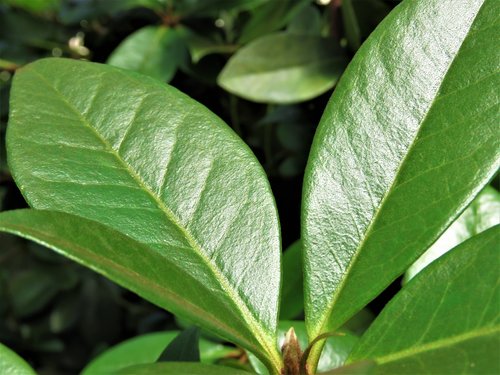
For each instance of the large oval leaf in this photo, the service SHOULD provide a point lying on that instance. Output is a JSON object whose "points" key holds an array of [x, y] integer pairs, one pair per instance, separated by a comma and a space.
{"points": [[137, 155], [445, 321], [284, 68], [408, 139], [153, 50], [12, 364]]}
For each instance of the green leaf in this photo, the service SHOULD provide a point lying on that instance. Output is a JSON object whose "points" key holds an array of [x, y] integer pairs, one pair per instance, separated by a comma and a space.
{"points": [[445, 321], [146, 349], [292, 295], [284, 68], [204, 8], [335, 353], [360, 17], [138, 156], [12, 364], [200, 46], [269, 17], [180, 368], [36, 6], [183, 348], [32, 290], [306, 22], [74, 11], [155, 51], [483, 213], [398, 155], [360, 322]]}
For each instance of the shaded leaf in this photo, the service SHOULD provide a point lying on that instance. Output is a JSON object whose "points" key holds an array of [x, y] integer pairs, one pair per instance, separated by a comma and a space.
{"points": [[360, 17], [269, 17], [397, 155], [146, 349], [203, 8], [445, 321], [284, 68], [32, 290], [306, 22], [34, 5], [183, 348], [179, 368], [358, 368], [483, 213], [155, 51], [292, 296], [74, 11], [138, 156]]}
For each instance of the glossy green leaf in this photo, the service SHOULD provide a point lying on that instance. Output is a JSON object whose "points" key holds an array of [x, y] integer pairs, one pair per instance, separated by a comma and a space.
{"points": [[483, 213], [292, 295], [445, 321], [12, 364], [335, 353], [153, 50], [181, 368], [183, 348], [138, 156], [146, 349], [398, 155], [269, 17], [284, 68]]}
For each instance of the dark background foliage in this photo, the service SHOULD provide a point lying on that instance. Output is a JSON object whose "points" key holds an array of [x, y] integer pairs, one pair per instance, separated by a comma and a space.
{"points": [[59, 315]]}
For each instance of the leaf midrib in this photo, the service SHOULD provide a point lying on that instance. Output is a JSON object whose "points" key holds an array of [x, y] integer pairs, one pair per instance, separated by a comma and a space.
{"points": [[261, 336], [323, 321], [438, 344]]}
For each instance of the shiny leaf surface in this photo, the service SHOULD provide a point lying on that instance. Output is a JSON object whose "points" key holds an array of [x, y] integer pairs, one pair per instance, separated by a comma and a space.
{"points": [[153, 50], [398, 154], [146, 349], [483, 213], [445, 321], [284, 68], [12, 364], [142, 158]]}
